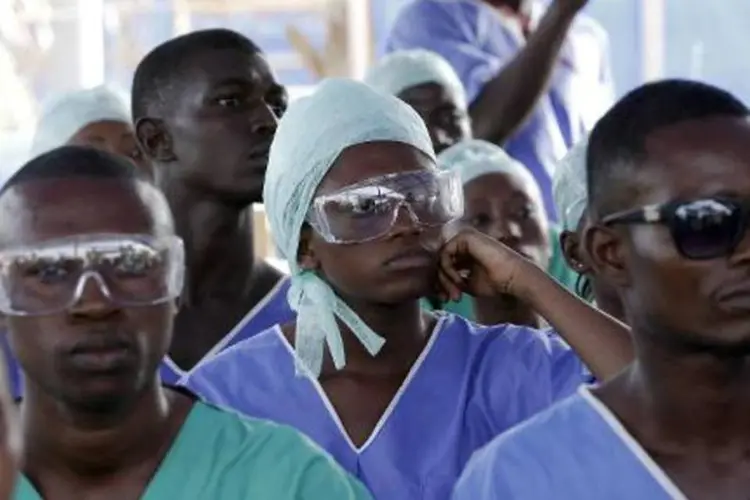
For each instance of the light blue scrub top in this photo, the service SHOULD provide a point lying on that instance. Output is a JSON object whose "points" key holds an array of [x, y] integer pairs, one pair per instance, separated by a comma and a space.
{"points": [[478, 41], [577, 450], [469, 384]]}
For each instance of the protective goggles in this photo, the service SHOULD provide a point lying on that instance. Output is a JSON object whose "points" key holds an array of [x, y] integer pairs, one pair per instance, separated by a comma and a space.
{"points": [[701, 229], [368, 210], [130, 270]]}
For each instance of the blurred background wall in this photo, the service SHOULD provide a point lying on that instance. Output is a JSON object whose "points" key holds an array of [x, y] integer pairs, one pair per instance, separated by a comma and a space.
{"points": [[51, 46]]}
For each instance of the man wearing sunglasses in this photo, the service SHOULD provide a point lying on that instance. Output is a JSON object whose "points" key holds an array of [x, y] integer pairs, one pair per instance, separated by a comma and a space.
{"points": [[90, 273], [669, 184]]}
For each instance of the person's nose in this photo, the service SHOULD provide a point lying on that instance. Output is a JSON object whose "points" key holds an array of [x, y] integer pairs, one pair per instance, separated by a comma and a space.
{"points": [[263, 122], [441, 139], [92, 298], [506, 231], [406, 221]]}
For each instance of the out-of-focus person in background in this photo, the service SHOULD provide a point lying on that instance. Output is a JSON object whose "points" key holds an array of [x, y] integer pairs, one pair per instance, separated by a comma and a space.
{"points": [[97, 117], [205, 107], [503, 201], [549, 71], [571, 196], [428, 83], [10, 437]]}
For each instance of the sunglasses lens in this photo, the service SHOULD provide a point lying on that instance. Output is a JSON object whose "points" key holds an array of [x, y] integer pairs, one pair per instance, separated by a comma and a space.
{"points": [[707, 229]]}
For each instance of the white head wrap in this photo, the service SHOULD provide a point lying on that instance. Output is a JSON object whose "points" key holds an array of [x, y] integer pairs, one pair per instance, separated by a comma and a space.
{"points": [[474, 158], [65, 116], [310, 137], [399, 71], [569, 185]]}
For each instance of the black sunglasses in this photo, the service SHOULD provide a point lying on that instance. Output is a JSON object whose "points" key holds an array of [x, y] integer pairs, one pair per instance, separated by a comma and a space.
{"points": [[701, 229]]}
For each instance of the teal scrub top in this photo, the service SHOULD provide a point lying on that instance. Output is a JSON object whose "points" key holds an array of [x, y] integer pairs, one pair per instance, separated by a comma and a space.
{"points": [[221, 455]]}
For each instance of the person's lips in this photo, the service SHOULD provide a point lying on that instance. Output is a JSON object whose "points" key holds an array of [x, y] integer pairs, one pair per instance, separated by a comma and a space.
{"points": [[412, 259], [260, 152], [99, 356], [735, 297]]}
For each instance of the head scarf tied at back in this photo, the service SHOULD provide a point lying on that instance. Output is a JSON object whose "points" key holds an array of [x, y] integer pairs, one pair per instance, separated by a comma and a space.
{"points": [[569, 185], [62, 118], [310, 137], [474, 158], [399, 71]]}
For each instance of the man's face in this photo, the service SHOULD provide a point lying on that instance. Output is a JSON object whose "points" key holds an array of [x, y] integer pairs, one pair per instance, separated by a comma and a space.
{"points": [[95, 353], [666, 294], [222, 122], [446, 119]]}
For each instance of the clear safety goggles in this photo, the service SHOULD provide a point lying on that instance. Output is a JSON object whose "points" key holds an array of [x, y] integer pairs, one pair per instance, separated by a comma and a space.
{"points": [[130, 270], [368, 210]]}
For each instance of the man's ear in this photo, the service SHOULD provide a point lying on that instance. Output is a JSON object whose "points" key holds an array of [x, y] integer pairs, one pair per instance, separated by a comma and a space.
{"points": [[154, 140], [606, 248], [306, 255], [573, 252]]}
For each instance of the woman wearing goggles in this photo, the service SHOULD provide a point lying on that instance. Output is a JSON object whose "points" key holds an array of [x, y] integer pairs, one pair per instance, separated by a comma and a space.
{"points": [[399, 396]]}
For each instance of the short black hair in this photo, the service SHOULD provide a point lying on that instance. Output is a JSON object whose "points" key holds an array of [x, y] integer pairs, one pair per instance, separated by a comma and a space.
{"points": [[166, 64], [618, 142], [73, 162]]}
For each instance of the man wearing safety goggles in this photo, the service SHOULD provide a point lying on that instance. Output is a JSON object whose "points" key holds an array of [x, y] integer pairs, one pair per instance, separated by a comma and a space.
{"points": [[90, 273], [669, 184]]}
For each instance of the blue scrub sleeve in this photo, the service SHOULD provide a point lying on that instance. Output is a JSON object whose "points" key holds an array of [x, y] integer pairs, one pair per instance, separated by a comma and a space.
{"points": [[524, 372], [455, 31]]}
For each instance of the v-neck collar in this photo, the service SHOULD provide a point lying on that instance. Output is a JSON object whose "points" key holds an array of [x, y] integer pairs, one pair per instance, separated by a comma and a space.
{"points": [[334, 416], [648, 463], [227, 339]]}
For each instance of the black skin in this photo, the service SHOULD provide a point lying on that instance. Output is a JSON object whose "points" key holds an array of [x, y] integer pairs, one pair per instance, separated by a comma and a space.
{"points": [[114, 137], [505, 208], [382, 292], [604, 294], [686, 399], [447, 119], [514, 6], [448, 124], [91, 425], [210, 148], [506, 101], [383, 288]]}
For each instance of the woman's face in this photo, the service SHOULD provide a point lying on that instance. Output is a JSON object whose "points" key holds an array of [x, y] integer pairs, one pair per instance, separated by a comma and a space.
{"points": [[505, 208], [399, 265], [114, 137]]}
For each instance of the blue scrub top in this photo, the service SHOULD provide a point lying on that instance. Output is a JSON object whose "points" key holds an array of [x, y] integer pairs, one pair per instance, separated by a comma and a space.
{"points": [[478, 41]]}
